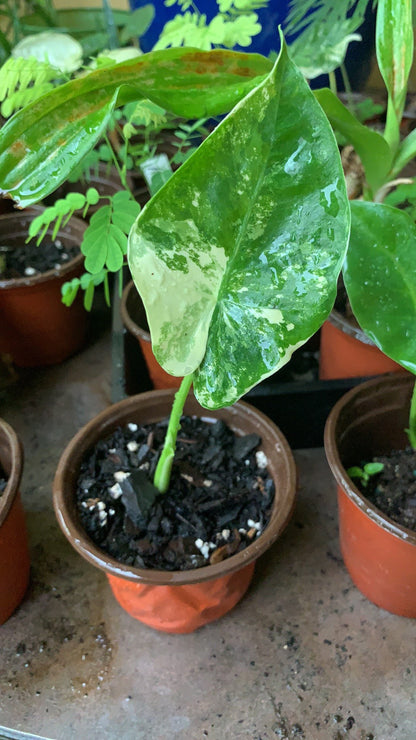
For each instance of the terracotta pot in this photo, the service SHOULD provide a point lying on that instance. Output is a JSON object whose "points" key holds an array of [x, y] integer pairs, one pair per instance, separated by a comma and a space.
{"points": [[347, 352], [36, 328], [178, 601], [14, 553], [379, 554], [134, 319]]}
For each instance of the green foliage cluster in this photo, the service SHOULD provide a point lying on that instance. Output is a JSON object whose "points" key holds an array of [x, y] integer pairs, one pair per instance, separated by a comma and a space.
{"points": [[324, 30], [235, 23], [206, 249], [94, 29], [379, 272], [22, 81]]}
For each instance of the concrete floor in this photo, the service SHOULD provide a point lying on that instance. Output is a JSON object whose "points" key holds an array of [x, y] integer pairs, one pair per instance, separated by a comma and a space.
{"points": [[304, 655]]}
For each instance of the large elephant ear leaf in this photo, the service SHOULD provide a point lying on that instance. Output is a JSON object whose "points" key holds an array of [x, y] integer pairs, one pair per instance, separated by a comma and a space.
{"points": [[237, 256], [380, 278]]}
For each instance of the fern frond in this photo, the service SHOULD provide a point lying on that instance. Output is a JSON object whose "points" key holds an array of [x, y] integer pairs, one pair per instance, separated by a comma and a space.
{"points": [[24, 80], [303, 13]]}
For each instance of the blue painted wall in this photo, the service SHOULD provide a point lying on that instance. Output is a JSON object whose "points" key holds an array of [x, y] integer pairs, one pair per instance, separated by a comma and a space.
{"points": [[359, 53]]}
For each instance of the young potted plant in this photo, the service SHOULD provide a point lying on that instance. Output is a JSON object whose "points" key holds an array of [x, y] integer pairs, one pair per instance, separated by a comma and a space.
{"points": [[370, 436], [248, 240], [14, 551], [236, 259], [345, 349]]}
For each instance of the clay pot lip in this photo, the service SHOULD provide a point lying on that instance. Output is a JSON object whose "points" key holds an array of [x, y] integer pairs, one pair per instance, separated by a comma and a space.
{"points": [[337, 468], [15, 453], [74, 228], [102, 424], [134, 329], [341, 322]]}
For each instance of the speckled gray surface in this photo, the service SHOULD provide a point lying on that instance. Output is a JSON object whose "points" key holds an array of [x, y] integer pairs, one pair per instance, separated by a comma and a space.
{"points": [[304, 655]]}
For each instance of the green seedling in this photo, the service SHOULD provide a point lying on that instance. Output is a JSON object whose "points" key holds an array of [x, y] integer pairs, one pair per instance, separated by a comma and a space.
{"points": [[366, 472]]}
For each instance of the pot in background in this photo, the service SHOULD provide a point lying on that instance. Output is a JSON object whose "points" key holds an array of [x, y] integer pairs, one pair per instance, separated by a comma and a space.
{"points": [[176, 601], [347, 352], [134, 319], [36, 328], [14, 552], [379, 554]]}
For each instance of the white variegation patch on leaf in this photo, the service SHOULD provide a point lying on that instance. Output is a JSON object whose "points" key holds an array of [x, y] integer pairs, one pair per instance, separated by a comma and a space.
{"points": [[236, 258]]}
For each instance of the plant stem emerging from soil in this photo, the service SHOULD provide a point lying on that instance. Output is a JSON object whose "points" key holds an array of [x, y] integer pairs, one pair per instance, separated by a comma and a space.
{"points": [[164, 466], [411, 432]]}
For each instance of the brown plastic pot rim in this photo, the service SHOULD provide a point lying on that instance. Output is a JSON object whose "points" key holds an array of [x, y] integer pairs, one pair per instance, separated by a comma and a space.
{"points": [[78, 227], [11, 439], [340, 474], [97, 557], [128, 322], [348, 327]]}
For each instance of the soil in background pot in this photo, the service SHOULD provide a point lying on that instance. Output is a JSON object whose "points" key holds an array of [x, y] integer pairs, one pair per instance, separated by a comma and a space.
{"points": [[29, 259], [393, 490], [219, 499], [3, 480]]}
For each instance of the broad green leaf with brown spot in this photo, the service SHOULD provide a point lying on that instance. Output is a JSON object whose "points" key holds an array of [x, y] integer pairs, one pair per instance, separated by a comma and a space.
{"points": [[43, 142]]}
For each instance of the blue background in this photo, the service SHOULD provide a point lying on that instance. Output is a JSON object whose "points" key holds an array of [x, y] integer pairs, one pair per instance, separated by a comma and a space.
{"points": [[358, 61]]}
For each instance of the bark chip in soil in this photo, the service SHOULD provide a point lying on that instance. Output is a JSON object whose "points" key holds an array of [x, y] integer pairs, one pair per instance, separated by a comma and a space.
{"points": [[219, 500]]}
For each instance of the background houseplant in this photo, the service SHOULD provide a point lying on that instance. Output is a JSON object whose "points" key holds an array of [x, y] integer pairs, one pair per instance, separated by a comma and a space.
{"points": [[373, 419], [383, 156]]}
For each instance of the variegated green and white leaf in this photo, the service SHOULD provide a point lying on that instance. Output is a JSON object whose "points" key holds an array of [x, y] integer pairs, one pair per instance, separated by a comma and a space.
{"points": [[237, 256]]}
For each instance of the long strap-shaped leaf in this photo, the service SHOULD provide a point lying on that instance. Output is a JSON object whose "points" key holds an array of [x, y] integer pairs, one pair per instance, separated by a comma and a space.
{"points": [[42, 143], [372, 148], [237, 256], [380, 278], [394, 47]]}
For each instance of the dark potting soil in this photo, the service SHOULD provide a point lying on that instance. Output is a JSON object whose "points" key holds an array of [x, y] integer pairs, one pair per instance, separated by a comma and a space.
{"points": [[393, 490], [3, 480], [27, 259], [219, 499]]}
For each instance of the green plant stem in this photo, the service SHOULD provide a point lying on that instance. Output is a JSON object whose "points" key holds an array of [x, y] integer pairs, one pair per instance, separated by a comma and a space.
{"points": [[411, 432], [164, 466], [122, 172], [348, 90], [333, 82]]}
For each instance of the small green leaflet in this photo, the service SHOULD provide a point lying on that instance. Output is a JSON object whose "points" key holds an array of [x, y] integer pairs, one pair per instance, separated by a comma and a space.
{"points": [[236, 258], [105, 240]]}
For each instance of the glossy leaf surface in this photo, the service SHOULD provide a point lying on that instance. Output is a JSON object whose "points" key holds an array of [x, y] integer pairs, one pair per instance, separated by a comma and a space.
{"points": [[237, 256], [380, 278], [42, 143], [371, 147]]}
